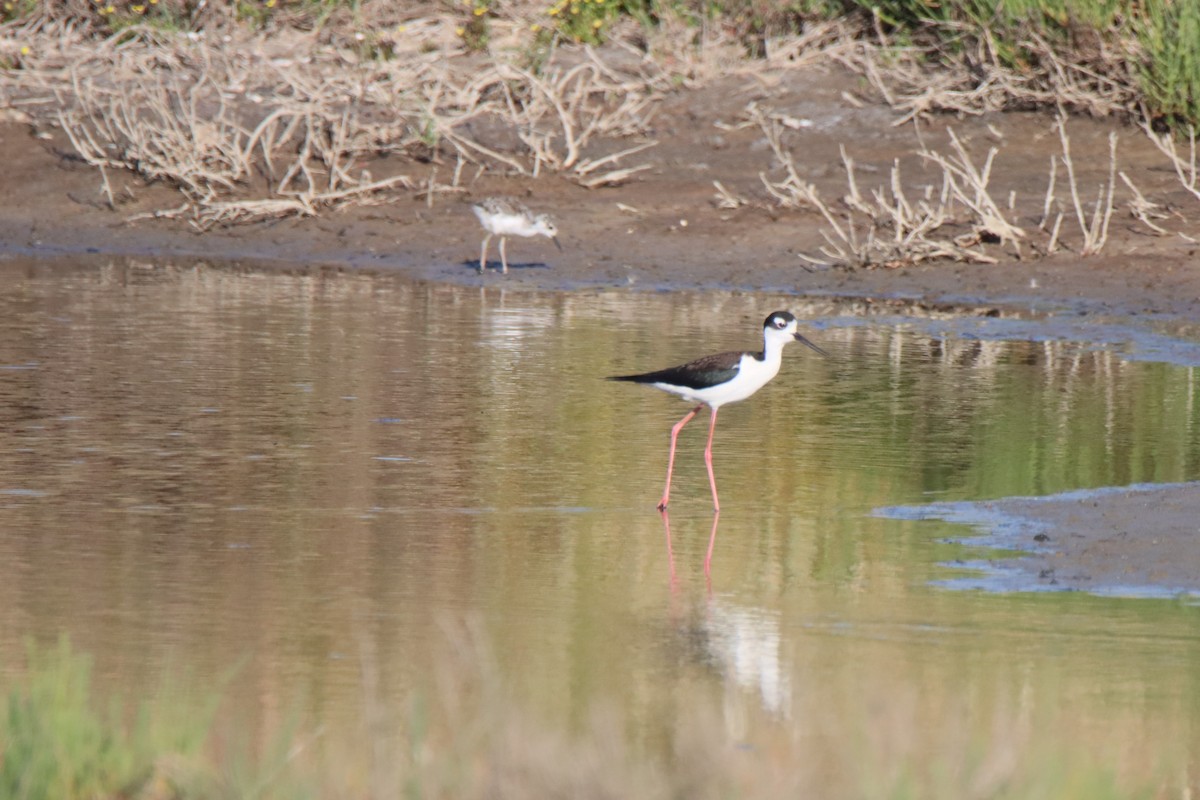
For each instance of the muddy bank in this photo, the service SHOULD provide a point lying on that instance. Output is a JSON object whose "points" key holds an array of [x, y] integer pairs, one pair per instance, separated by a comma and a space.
{"points": [[665, 227], [1138, 540]]}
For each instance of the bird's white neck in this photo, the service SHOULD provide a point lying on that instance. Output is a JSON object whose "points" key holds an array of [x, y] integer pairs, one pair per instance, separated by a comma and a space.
{"points": [[773, 342]]}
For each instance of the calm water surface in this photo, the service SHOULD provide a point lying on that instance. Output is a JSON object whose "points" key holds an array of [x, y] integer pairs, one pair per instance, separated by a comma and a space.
{"points": [[332, 480]]}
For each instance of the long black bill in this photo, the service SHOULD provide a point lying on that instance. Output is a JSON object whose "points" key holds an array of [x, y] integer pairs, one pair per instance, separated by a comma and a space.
{"points": [[557, 243], [801, 339]]}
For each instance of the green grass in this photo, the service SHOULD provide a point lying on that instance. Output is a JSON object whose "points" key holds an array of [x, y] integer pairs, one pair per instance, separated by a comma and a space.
{"points": [[57, 743], [61, 738], [1170, 72], [1166, 34]]}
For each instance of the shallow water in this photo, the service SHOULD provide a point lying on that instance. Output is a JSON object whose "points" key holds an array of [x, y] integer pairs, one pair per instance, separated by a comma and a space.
{"points": [[327, 478]]}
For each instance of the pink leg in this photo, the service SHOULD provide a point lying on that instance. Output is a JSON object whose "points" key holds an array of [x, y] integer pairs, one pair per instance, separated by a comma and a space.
{"points": [[662, 504], [483, 253], [712, 481], [712, 540]]}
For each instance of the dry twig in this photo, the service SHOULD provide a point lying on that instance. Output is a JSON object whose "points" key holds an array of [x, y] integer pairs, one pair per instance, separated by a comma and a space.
{"points": [[898, 229], [1095, 230], [1185, 167], [1144, 210]]}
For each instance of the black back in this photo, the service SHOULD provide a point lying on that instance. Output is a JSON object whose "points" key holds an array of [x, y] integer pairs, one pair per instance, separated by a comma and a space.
{"points": [[699, 374]]}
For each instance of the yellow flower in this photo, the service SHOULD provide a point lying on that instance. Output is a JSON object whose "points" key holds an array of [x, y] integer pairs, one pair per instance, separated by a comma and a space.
{"points": [[25, 50], [597, 23], [270, 3], [535, 27], [480, 11], [139, 9], [110, 10], [460, 30], [401, 28]]}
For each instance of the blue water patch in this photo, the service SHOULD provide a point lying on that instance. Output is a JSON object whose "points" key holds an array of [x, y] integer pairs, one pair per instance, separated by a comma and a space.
{"points": [[1001, 530]]}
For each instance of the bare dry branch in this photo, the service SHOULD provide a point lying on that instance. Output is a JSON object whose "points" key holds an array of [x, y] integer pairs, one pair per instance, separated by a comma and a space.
{"points": [[1095, 230], [726, 199], [1185, 167], [1144, 210], [898, 229]]}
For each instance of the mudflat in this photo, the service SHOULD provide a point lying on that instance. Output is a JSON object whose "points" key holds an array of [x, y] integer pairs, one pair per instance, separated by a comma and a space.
{"points": [[1115, 541]]}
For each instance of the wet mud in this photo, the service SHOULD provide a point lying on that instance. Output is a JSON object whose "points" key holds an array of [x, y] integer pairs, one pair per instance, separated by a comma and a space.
{"points": [[1129, 541]]}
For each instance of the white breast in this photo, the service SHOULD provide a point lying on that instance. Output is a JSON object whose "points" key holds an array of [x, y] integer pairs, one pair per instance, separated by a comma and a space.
{"points": [[505, 224], [752, 375]]}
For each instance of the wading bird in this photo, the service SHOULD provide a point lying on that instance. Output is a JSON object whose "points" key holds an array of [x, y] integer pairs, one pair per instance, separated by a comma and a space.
{"points": [[504, 217], [719, 379]]}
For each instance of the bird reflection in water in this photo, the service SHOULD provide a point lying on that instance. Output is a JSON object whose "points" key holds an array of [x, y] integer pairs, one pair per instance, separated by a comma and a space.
{"points": [[712, 541], [743, 643]]}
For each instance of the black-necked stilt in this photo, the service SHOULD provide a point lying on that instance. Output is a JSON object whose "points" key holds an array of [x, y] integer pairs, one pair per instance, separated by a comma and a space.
{"points": [[719, 379], [504, 217]]}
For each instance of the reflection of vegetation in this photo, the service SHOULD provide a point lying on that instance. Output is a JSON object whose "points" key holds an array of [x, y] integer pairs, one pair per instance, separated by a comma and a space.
{"points": [[1001, 418]]}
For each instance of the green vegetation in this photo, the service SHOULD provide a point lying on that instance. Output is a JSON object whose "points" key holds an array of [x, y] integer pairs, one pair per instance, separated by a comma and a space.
{"points": [[60, 741], [16, 9], [1170, 71], [1159, 38], [56, 745], [588, 20]]}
